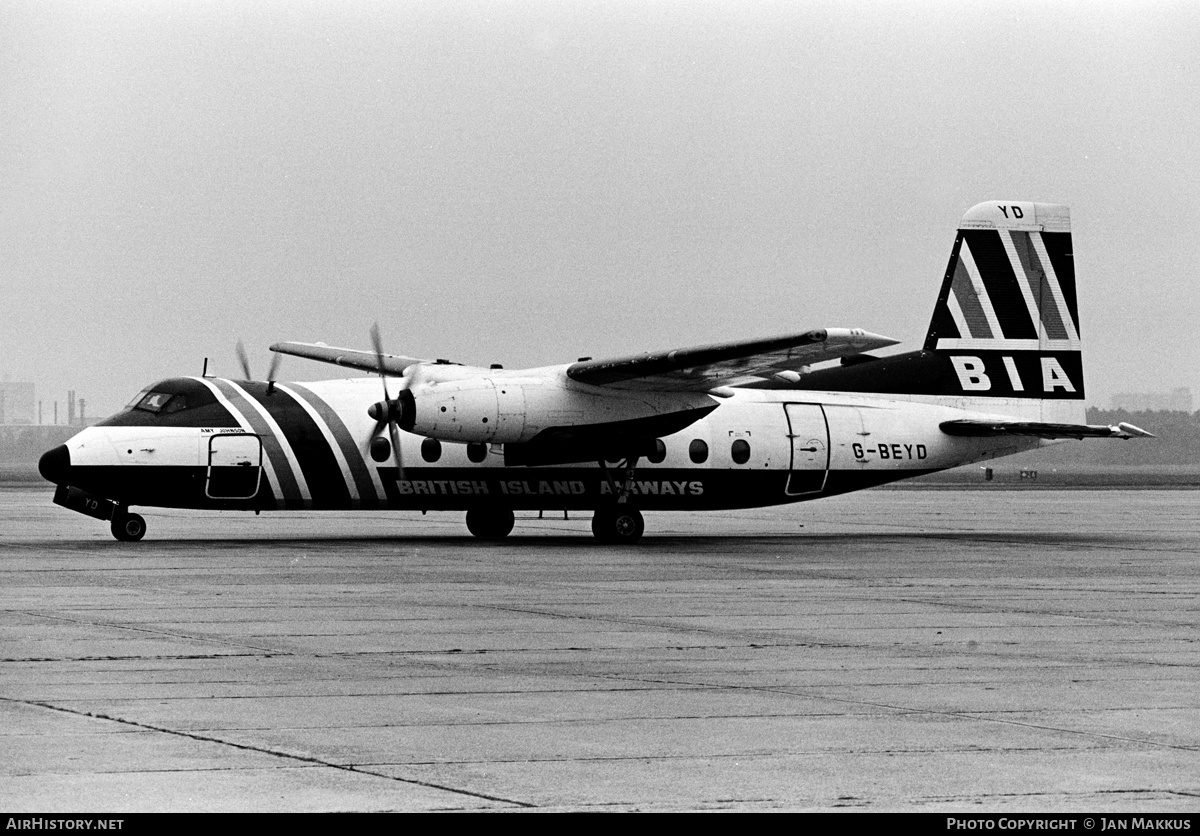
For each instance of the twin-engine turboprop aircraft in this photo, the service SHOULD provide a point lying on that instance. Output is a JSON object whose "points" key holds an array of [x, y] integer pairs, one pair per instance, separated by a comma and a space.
{"points": [[734, 425]]}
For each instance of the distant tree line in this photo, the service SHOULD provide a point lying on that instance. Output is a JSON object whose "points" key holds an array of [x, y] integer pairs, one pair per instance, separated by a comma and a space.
{"points": [[1177, 442]]}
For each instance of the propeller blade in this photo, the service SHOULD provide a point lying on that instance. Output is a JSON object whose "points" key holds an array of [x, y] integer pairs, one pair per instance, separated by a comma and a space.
{"points": [[275, 358], [393, 432], [244, 360], [377, 342]]}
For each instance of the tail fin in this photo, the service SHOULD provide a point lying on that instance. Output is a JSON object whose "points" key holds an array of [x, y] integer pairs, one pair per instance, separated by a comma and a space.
{"points": [[1007, 316]]}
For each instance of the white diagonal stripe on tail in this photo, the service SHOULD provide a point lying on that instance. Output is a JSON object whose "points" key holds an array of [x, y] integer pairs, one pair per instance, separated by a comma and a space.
{"points": [[985, 302], [1039, 246]]}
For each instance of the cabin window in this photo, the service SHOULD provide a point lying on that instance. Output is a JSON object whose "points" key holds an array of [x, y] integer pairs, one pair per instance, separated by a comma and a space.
{"points": [[660, 452], [381, 449], [477, 451], [698, 450], [740, 451], [431, 449]]}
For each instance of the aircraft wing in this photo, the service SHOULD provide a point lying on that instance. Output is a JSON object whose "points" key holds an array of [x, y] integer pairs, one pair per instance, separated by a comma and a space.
{"points": [[351, 358], [708, 366], [972, 427]]}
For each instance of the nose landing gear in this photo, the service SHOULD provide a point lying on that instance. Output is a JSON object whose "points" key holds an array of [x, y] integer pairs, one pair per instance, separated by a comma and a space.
{"points": [[126, 527]]}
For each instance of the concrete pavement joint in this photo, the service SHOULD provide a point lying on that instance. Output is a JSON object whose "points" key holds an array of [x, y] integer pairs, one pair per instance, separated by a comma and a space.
{"points": [[150, 631], [271, 752]]}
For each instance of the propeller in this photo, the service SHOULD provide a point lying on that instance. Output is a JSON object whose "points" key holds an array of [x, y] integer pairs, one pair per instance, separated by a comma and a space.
{"points": [[271, 370], [389, 412]]}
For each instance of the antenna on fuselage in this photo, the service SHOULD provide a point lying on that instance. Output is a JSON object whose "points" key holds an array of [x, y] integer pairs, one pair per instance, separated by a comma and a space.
{"points": [[205, 372]]}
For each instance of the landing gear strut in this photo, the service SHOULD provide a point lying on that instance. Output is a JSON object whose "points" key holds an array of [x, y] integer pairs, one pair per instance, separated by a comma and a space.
{"points": [[127, 527], [620, 523], [490, 523]]}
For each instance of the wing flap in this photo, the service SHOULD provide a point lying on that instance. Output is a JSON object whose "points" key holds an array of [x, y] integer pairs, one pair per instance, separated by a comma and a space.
{"points": [[708, 366], [972, 427], [351, 358]]}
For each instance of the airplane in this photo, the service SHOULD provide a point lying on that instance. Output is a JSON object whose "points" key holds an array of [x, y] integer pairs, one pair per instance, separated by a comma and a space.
{"points": [[733, 425]]}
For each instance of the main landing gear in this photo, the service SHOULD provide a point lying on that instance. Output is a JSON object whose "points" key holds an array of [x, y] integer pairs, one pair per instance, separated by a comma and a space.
{"points": [[618, 526], [615, 524], [490, 523], [127, 527]]}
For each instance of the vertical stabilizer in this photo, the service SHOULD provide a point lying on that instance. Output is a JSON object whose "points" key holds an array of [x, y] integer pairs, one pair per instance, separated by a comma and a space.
{"points": [[1007, 317]]}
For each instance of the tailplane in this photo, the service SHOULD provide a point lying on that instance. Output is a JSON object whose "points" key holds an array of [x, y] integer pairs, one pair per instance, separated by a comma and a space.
{"points": [[1003, 344]]}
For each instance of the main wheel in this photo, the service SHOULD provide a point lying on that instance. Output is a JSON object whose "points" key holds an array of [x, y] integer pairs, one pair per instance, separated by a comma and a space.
{"points": [[128, 527], [490, 523], [618, 526]]}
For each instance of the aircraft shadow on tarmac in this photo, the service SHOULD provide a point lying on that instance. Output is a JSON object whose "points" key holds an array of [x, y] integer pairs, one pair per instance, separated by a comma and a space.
{"points": [[744, 542]]}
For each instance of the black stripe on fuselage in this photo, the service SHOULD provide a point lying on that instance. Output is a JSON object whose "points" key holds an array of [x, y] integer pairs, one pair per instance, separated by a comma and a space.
{"points": [[326, 482], [351, 452], [583, 488], [520, 489], [288, 486]]}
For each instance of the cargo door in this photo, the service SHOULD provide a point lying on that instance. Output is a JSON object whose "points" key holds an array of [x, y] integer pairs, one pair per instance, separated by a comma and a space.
{"points": [[809, 435]]}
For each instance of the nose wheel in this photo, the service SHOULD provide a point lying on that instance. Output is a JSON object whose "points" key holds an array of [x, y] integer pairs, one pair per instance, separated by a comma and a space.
{"points": [[618, 526], [127, 527]]}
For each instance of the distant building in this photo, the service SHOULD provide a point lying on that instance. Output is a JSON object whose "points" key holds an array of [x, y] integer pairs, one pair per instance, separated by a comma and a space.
{"points": [[16, 403], [1177, 400]]}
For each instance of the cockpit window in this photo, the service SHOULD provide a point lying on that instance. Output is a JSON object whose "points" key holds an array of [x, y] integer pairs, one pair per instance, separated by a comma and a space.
{"points": [[175, 402], [157, 402], [137, 399]]}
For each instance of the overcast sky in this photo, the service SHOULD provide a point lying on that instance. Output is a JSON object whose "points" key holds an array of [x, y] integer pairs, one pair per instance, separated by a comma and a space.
{"points": [[529, 182]]}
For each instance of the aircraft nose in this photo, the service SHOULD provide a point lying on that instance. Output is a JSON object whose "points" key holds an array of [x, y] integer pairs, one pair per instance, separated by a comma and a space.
{"points": [[55, 465]]}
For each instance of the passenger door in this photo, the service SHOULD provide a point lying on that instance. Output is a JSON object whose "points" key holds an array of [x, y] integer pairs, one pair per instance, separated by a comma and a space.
{"points": [[234, 466]]}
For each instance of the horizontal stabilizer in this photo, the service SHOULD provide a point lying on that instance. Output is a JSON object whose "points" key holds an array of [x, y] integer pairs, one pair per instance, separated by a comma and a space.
{"points": [[966, 427], [351, 358], [705, 367]]}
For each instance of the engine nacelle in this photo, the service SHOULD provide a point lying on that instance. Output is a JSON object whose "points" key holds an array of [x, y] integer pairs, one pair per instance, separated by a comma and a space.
{"points": [[462, 411], [501, 410]]}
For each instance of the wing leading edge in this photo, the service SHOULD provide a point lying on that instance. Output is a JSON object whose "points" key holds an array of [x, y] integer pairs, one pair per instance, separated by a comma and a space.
{"points": [[705, 367], [351, 358]]}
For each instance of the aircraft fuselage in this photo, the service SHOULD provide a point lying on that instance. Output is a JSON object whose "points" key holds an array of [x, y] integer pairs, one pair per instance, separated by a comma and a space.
{"points": [[307, 446]]}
